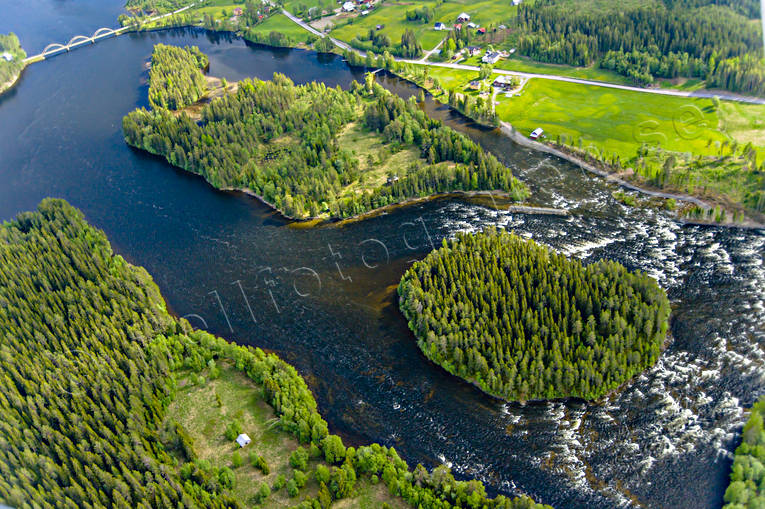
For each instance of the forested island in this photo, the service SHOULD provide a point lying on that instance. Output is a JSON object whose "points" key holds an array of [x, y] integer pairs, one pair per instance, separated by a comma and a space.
{"points": [[11, 60], [176, 78], [312, 151], [526, 323], [747, 479], [97, 375]]}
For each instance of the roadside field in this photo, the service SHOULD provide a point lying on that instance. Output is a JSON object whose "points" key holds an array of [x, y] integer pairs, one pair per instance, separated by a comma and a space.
{"points": [[393, 16], [615, 121]]}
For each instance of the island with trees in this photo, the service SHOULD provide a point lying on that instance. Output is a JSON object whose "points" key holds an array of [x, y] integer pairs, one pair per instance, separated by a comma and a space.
{"points": [[316, 152], [99, 380], [11, 60], [523, 322]]}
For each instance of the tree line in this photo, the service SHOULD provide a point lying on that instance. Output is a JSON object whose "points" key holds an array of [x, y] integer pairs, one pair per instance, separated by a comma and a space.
{"points": [[684, 38], [88, 354], [523, 322], [176, 78], [747, 477], [281, 141]]}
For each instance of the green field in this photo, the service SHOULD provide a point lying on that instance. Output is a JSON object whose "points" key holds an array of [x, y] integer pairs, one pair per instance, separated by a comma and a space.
{"points": [[393, 16], [281, 23], [616, 121], [521, 64]]}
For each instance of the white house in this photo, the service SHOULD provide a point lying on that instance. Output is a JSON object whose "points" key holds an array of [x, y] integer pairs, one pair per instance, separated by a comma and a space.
{"points": [[491, 57], [242, 440], [464, 17], [516, 2], [472, 25], [536, 133], [349, 7], [7, 57], [440, 26]]}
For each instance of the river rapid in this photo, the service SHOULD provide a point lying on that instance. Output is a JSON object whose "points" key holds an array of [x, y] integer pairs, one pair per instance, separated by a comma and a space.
{"points": [[324, 298]]}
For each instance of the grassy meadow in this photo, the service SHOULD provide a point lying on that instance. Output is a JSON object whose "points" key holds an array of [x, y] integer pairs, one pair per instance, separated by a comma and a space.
{"points": [[393, 16], [206, 410]]}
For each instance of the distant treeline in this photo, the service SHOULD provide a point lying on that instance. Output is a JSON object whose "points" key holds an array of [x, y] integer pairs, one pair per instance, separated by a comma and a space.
{"points": [[176, 79], [87, 355], [524, 322], [281, 141], [717, 40]]}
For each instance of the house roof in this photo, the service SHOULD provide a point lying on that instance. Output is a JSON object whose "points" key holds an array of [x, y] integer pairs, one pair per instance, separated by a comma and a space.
{"points": [[242, 439], [464, 16]]}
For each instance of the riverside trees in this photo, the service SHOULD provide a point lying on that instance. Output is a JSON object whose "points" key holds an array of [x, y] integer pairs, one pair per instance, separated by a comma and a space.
{"points": [[523, 322], [176, 79], [283, 142], [88, 359]]}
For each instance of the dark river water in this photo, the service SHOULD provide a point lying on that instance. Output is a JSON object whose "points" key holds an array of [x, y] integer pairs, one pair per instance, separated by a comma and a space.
{"points": [[324, 298]]}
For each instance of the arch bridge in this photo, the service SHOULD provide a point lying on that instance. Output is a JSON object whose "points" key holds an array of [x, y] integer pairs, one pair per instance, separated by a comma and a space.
{"points": [[78, 40]]}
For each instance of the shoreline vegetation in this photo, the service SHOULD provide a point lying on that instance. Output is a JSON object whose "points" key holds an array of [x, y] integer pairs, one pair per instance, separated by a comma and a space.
{"points": [[314, 152], [524, 323], [142, 410], [11, 61], [724, 178], [747, 477]]}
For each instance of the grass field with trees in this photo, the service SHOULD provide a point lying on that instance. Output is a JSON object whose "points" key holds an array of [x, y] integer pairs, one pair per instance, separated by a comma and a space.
{"points": [[525, 323], [109, 401], [9, 43]]}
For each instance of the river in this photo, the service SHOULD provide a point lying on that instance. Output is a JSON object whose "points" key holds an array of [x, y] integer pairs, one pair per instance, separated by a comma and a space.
{"points": [[324, 298]]}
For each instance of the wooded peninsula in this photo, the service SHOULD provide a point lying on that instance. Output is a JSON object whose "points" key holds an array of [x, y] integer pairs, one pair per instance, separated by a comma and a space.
{"points": [[525, 323], [96, 375], [312, 151]]}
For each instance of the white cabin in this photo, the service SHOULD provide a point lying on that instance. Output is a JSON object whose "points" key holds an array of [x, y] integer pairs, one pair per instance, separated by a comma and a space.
{"points": [[243, 440], [536, 133]]}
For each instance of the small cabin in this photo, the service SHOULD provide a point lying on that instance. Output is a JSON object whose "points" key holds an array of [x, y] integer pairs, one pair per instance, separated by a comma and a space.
{"points": [[481, 30], [463, 18], [439, 26], [392, 180], [243, 440], [536, 133], [472, 25]]}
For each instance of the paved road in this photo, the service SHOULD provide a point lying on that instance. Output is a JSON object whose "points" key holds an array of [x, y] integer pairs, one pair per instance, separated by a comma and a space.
{"points": [[659, 91], [306, 26]]}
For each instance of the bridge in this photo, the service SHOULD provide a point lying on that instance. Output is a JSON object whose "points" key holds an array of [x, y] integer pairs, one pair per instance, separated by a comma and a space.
{"points": [[77, 41], [56, 48]]}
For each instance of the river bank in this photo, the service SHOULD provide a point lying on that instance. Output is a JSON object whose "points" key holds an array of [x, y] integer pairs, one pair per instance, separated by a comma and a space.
{"points": [[4, 87]]}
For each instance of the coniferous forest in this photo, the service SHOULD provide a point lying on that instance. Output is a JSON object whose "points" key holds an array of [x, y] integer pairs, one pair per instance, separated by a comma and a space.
{"points": [[176, 79], [88, 354], [524, 323], [282, 142], [747, 479], [716, 40]]}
